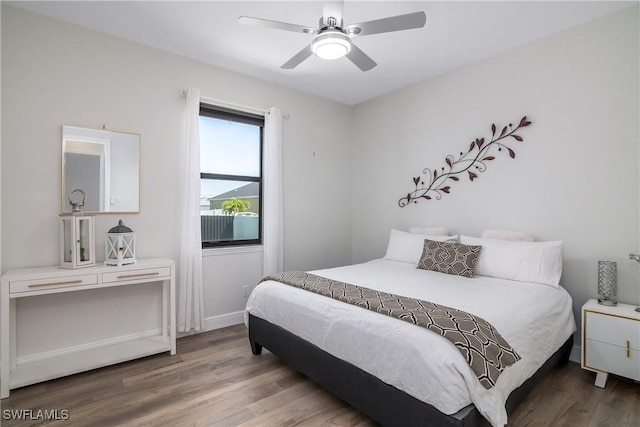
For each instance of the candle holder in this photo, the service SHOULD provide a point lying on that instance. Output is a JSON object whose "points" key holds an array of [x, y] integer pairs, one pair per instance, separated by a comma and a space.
{"points": [[77, 235], [120, 245], [607, 283]]}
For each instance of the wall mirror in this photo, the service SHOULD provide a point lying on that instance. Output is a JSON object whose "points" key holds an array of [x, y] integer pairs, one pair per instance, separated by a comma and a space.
{"points": [[105, 165]]}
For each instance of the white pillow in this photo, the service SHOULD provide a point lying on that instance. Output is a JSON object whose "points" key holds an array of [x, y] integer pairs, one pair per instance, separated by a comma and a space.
{"points": [[508, 235], [537, 262], [407, 247], [431, 231]]}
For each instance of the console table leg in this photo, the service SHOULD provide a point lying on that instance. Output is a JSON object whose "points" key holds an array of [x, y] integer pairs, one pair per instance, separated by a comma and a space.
{"points": [[5, 341]]}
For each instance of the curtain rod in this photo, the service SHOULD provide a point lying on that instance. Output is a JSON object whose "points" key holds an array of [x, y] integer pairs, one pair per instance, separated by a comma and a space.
{"points": [[233, 106]]}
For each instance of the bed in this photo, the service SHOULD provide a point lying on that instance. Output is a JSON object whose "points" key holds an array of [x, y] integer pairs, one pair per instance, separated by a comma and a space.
{"points": [[401, 374]]}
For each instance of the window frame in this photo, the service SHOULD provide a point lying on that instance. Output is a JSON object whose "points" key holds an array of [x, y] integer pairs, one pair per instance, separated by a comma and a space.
{"points": [[222, 113]]}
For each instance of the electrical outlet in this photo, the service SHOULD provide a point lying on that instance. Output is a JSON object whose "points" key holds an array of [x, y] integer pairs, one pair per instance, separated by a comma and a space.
{"points": [[245, 291]]}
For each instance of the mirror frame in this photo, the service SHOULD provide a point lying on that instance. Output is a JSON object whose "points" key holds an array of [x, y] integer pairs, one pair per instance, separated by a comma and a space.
{"points": [[97, 136]]}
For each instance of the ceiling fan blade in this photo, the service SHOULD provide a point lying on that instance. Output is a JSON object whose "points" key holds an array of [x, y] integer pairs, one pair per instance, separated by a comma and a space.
{"points": [[387, 25], [331, 9], [297, 58], [266, 23], [360, 59]]}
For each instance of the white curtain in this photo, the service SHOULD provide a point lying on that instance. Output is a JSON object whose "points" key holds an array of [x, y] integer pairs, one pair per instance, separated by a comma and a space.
{"points": [[190, 286], [272, 215]]}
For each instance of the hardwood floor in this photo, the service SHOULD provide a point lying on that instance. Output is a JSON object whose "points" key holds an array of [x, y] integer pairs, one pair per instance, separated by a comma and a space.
{"points": [[214, 380]]}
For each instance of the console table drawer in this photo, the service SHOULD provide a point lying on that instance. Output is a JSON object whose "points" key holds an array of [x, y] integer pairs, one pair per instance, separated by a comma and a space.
{"points": [[146, 274], [51, 283]]}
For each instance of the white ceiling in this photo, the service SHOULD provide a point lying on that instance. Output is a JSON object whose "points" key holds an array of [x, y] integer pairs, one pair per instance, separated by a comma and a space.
{"points": [[456, 33]]}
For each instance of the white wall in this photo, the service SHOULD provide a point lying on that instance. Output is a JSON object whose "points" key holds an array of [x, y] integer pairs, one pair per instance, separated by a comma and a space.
{"points": [[575, 177], [55, 74]]}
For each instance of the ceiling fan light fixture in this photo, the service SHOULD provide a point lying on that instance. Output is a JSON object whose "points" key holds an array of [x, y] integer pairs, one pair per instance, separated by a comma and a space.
{"points": [[331, 45]]}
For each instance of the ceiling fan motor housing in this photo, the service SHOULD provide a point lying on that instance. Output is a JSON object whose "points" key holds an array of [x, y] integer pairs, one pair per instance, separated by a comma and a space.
{"points": [[330, 22]]}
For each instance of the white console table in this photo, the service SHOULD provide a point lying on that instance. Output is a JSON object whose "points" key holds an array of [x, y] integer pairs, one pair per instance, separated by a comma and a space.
{"points": [[29, 282]]}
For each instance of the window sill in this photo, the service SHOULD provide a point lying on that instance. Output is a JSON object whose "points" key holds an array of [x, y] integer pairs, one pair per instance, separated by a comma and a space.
{"points": [[231, 250]]}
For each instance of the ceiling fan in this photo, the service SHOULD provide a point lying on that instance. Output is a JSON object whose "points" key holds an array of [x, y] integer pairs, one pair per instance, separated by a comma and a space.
{"points": [[332, 39]]}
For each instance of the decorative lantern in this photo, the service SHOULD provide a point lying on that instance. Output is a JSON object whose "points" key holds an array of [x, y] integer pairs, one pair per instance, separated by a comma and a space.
{"points": [[120, 246], [607, 283], [77, 236]]}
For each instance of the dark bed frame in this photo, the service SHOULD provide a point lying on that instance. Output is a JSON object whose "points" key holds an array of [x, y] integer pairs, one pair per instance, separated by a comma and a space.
{"points": [[383, 403]]}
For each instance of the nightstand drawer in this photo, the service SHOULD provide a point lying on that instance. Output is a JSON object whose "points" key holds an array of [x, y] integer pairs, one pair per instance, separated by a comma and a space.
{"points": [[145, 273], [613, 359], [52, 283], [612, 330]]}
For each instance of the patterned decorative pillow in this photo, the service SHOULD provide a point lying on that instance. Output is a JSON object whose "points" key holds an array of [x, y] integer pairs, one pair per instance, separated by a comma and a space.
{"points": [[449, 257]]}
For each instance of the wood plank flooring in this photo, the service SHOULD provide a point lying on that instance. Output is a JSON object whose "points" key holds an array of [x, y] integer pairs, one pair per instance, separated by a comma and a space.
{"points": [[214, 380]]}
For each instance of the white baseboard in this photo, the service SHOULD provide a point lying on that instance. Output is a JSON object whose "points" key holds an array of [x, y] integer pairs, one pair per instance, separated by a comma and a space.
{"points": [[223, 320], [576, 354], [218, 322]]}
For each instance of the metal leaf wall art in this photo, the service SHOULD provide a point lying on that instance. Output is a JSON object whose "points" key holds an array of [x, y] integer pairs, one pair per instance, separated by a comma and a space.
{"points": [[437, 181]]}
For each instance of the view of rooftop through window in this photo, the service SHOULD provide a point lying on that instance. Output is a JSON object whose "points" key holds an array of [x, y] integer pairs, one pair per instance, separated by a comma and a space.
{"points": [[230, 166]]}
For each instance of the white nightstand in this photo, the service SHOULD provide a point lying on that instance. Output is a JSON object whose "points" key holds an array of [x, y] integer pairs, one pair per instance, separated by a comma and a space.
{"points": [[611, 341]]}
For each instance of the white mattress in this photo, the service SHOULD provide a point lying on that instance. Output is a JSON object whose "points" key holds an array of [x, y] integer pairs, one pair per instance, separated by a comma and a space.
{"points": [[535, 319]]}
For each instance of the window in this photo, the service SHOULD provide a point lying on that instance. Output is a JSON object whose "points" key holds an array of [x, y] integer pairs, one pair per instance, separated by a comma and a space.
{"points": [[230, 177]]}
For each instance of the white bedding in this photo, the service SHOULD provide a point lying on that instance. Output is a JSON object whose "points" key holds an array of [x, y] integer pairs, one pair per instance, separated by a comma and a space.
{"points": [[535, 319]]}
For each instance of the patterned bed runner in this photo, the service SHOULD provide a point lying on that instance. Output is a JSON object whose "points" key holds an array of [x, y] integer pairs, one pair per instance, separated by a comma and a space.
{"points": [[478, 341]]}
